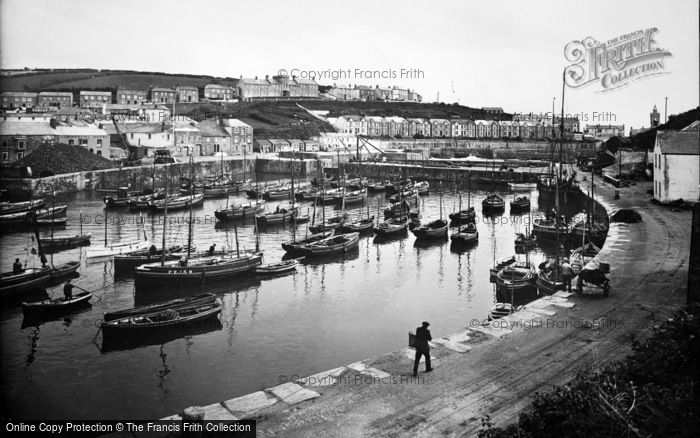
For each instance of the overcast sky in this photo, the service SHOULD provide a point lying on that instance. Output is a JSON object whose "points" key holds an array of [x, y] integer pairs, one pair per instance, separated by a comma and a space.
{"points": [[495, 53]]}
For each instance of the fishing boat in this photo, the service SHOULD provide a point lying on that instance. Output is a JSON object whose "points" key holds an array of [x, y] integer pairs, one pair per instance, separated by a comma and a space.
{"points": [[500, 310], [176, 304], [177, 202], [60, 241], [306, 195], [167, 318], [524, 242], [466, 235], [277, 268], [121, 198], [404, 194], [516, 277], [301, 218], [500, 264], [359, 226], [520, 204], [279, 216], [378, 186], [392, 226], [436, 229], [330, 224], [142, 203], [399, 185], [336, 244], [57, 304], [422, 187], [493, 203], [299, 246], [52, 222], [126, 263], [549, 229], [240, 211], [400, 208], [355, 196], [522, 186], [27, 217], [552, 279], [596, 231], [19, 207], [278, 194], [196, 271], [112, 249], [331, 196], [35, 278], [464, 216]]}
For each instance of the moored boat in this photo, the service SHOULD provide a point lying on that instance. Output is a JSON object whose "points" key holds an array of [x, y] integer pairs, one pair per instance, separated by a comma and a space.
{"points": [[516, 277], [422, 187], [522, 186], [359, 226], [279, 216], [277, 268], [299, 246], [35, 278], [57, 304], [464, 216], [164, 319], [176, 304], [468, 234], [197, 270], [355, 196], [177, 202], [336, 244], [19, 207], [520, 204], [391, 226], [436, 229], [493, 203], [111, 249], [500, 310], [240, 211], [65, 240]]}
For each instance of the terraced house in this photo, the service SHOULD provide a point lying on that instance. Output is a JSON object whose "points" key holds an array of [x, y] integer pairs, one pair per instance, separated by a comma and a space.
{"points": [[95, 99], [55, 99], [126, 96], [218, 92], [12, 100], [162, 95], [187, 93], [241, 136]]}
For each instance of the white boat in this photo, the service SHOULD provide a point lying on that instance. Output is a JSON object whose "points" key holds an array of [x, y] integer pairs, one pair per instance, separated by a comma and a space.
{"points": [[112, 249], [522, 186]]}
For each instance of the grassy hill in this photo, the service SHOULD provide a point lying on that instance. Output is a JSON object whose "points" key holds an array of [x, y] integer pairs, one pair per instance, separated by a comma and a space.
{"points": [[74, 80], [61, 158], [647, 139]]}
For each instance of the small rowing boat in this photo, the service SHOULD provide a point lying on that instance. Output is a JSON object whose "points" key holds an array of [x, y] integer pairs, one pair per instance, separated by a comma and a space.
{"points": [[57, 304], [277, 268], [176, 304], [164, 319]]}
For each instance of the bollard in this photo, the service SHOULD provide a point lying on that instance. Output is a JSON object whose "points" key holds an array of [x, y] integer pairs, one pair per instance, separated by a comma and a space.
{"points": [[193, 414]]}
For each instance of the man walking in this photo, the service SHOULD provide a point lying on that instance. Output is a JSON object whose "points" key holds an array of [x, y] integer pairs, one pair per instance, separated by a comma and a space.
{"points": [[422, 348]]}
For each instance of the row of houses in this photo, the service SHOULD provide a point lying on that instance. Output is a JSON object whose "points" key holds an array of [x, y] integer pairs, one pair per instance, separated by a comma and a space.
{"points": [[275, 87], [377, 126], [46, 100], [22, 134], [369, 94]]}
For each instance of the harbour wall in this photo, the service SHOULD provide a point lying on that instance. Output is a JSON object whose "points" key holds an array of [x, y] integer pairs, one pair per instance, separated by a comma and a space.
{"points": [[150, 176]]}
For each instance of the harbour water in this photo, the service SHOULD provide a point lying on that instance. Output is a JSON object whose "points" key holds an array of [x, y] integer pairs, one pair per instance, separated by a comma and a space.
{"points": [[328, 313]]}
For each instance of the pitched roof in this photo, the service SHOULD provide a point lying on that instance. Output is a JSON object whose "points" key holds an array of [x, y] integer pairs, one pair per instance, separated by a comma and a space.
{"points": [[145, 128], [26, 128], [235, 123], [695, 126], [211, 128], [678, 142]]}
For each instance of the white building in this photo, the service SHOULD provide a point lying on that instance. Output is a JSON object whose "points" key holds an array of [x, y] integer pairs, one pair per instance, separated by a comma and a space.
{"points": [[676, 166]]}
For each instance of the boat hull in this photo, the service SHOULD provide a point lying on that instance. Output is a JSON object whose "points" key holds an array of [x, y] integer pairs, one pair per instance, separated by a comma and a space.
{"points": [[207, 269]]}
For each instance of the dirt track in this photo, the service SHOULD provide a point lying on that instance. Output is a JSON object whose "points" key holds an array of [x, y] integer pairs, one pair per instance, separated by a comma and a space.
{"points": [[649, 263]]}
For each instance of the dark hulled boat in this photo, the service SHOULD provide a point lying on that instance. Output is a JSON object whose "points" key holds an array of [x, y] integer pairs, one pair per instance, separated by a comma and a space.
{"points": [[176, 304], [240, 211], [35, 278], [434, 230]]}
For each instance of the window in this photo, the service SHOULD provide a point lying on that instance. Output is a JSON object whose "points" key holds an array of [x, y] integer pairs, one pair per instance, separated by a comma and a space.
{"points": [[20, 145], [4, 144], [71, 142], [99, 142], [5, 156], [149, 136], [20, 155]]}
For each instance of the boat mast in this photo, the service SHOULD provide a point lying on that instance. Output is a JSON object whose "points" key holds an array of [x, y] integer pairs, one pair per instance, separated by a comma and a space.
{"points": [[561, 147], [189, 227], [53, 215], [165, 219], [106, 219], [459, 221]]}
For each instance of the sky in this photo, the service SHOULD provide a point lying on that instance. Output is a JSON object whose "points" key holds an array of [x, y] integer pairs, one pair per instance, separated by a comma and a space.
{"points": [[508, 54]]}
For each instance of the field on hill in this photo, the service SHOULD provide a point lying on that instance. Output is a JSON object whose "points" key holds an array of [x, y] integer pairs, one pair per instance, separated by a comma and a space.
{"points": [[94, 79]]}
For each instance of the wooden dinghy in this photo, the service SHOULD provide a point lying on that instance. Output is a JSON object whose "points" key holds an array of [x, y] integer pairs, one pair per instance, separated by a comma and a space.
{"points": [[57, 304], [277, 268], [176, 304], [163, 319]]}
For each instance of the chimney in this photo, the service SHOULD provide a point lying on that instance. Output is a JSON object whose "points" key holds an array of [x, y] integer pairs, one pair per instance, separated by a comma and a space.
{"points": [[53, 123], [267, 77], [256, 78]]}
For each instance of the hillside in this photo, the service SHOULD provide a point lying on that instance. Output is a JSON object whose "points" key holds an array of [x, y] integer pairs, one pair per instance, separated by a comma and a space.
{"points": [[646, 139], [74, 80], [402, 109]]}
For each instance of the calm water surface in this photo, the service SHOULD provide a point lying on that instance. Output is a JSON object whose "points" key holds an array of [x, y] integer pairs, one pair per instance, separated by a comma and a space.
{"points": [[327, 314]]}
